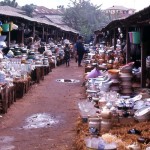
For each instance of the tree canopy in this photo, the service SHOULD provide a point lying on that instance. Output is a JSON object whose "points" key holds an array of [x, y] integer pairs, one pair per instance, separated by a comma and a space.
{"points": [[29, 9], [12, 3], [85, 17]]}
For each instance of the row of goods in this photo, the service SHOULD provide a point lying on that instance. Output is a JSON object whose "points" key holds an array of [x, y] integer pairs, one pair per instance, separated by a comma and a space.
{"points": [[115, 115]]}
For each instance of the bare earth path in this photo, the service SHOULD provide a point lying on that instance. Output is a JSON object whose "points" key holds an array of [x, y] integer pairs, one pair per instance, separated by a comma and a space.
{"points": [[44, 119]]}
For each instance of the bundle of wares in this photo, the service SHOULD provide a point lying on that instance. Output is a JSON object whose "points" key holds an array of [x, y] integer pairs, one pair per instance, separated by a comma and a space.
{"points": [[106, 58], [115, 116]]}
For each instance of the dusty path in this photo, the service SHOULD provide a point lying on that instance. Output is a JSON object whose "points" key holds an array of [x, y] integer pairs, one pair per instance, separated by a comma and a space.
{"points": [[44, 119]]}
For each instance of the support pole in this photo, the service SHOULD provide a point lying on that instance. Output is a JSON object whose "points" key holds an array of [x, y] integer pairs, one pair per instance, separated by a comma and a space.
{"points": [[143, 62], [115, 40], [127, 46], [43, 33], [33, 30], [22, 35], [8, 41]]}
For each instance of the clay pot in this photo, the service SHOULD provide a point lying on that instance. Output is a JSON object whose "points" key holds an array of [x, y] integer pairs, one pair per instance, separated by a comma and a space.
{"points": [[106, 125], [102, 102], [94, 125], [126, 91], [114, 88], [106, 114], [113, 71], [126, 84]]}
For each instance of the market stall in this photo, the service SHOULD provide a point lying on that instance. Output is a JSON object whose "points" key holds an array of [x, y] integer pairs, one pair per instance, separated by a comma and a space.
{"points": [[114, 115], [133, 35]]}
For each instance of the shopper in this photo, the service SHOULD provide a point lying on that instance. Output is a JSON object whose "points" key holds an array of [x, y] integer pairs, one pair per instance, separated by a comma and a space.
{"points": [[80, 50], [67, 54]]}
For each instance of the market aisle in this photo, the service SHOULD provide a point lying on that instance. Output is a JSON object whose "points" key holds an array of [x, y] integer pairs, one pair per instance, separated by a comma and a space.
{"points": [[45, 118]]}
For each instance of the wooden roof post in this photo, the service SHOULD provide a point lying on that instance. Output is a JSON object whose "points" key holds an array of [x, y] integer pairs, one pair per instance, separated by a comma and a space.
{"points": [[127, 46], [42, 32], [115, 39], [110, 40], [22, 34], [143, 61], [33, 30], [47, 35], [8, 40]]}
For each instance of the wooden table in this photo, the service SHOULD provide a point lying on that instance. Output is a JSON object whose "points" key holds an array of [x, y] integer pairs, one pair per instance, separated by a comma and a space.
{"points": [[3, 98], [22, 86], [37, 74], [11, 93]]}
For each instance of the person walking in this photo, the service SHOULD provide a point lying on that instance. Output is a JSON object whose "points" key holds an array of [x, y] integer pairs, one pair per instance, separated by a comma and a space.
{"points": [[80, 50], [67, 54]]}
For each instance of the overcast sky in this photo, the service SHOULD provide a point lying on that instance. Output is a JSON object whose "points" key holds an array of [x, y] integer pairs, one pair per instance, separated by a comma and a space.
{"points": [[136, 4]]}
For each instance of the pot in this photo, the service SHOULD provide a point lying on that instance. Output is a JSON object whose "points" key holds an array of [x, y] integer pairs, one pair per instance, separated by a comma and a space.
{"points": [[102, 102], [106, 125], [125, 74], [17, 53], [94, 125], [126, 69], [114, 88], [104, 86], [126, 83], [24, 50], [126, 91], [126, 78], [142, 114], [106, 113], [31, 53], [114, 71]]}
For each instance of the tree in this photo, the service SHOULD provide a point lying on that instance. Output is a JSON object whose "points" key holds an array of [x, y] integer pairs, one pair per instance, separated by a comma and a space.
{"points": [[12, 3], [85, 17], [29, 9]]}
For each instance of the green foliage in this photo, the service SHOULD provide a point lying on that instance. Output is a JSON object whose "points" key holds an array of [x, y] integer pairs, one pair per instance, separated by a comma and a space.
{"points": [[29, 9], [85, 17], [12, 3]]}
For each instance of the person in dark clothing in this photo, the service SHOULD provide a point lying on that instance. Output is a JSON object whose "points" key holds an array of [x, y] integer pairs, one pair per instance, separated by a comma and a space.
{"points": [[67, 54], [80, 50]]}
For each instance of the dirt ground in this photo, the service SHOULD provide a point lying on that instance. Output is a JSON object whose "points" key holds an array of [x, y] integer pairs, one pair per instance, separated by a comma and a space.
{"points": [[45, 118]]}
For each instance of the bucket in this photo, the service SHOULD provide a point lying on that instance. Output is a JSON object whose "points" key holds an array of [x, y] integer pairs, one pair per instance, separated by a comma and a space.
{"points": [[5, 27], [130, 37], [134, 37]]}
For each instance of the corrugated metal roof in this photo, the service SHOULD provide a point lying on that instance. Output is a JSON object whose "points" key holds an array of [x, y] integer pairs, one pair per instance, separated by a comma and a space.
{"points": [[12, 9], [14, 13], [55, 19], [45, 21]]}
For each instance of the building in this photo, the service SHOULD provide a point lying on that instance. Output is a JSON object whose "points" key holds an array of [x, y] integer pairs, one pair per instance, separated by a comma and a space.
{"points": [[117, 12]]}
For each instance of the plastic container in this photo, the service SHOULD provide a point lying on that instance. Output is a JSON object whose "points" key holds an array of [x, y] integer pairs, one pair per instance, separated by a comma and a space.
{"points": [[2, 37], [134, 37], [5, 27]]}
